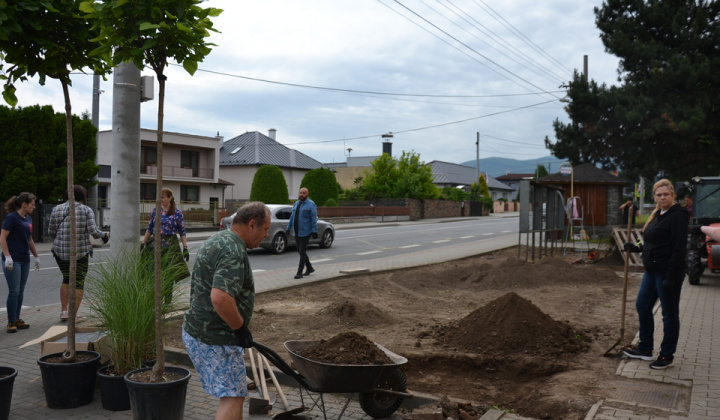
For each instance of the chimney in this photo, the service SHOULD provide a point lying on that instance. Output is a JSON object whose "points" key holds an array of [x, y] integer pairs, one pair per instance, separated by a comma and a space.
{"points": [[387, 144], [271, 133]]}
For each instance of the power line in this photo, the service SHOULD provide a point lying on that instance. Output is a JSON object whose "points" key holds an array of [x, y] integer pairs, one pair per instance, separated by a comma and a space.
{"points": [[472, 49]]}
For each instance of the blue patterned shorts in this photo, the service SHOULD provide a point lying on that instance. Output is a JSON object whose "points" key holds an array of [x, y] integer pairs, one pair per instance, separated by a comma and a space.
{"points": [[221, 368]]}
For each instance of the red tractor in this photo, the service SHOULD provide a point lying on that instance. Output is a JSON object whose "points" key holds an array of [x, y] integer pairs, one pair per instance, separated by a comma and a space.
{"points": [[705, 193]]}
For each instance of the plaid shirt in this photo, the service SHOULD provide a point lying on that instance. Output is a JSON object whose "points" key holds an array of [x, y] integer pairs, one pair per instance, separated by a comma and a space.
{"points": [[60, 230]]}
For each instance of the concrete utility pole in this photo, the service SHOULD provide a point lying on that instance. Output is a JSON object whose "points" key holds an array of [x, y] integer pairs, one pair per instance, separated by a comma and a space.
{"points": [[92, 200], [477, 158], [125, 184]]}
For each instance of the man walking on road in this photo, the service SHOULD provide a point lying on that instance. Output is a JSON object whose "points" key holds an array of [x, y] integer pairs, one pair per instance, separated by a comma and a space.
{"points": [[222, 295], [303, 222]]}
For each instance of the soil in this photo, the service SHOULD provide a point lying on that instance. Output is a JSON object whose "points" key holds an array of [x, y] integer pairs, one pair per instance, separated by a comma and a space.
{"points": [[488, 331]]}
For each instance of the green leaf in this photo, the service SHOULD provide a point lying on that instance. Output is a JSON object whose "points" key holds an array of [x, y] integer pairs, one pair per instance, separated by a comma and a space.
{"points": [[147, 25], [190, 66], [9, 95]]}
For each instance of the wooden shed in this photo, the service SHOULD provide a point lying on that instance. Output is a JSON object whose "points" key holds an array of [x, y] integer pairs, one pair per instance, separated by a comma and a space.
{"points": [[600, 193]]}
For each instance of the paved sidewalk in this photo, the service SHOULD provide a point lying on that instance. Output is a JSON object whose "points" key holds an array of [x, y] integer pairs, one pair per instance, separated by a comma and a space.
{"points": [[690, 389]]}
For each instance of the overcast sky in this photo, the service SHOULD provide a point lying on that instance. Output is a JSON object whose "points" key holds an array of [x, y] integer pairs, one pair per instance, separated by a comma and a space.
{"points": [[333, 75]]}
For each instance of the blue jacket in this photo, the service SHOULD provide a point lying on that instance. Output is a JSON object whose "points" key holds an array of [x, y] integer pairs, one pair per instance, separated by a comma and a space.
{"points": [[307, 219]]}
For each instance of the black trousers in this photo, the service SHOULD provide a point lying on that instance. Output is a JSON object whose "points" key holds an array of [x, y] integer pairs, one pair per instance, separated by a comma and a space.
{"points": [[302, 244]]}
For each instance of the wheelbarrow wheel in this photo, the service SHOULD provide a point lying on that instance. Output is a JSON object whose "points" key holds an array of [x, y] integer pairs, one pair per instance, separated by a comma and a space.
{"points": [[380, 405]]}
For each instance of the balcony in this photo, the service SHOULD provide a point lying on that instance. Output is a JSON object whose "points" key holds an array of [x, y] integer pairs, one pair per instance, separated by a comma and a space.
{"points": [[178, 171]]}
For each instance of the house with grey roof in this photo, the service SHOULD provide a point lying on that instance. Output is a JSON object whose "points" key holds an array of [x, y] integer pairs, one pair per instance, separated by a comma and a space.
{"points": [[513, 181], [241, 156], [460, 176]]}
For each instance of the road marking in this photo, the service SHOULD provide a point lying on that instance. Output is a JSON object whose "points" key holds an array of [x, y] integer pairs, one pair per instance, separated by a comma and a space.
{"points": [[410, 246], [441, 241], [486, 234], [506, 231], [367, 253], [317, 261], [467, 237], [258, 271]]}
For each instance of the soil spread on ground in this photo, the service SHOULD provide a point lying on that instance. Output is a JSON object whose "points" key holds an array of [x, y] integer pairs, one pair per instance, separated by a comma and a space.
{"points": [[494, 330]]}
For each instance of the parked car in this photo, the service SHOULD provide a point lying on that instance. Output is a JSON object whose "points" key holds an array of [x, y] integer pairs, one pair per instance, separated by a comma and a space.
{"points": [[278, 239]]}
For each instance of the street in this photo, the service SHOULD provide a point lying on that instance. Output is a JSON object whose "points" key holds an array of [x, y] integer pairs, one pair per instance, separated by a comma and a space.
{"points": [[350, 245]]}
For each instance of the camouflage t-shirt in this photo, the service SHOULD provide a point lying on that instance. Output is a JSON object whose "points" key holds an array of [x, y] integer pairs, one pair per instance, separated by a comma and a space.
{"points": [[222, 263]]}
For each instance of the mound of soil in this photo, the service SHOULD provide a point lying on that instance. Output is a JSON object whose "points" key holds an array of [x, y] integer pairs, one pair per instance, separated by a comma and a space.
{"points": [[349, 348], [355, 313], [512, 324]]}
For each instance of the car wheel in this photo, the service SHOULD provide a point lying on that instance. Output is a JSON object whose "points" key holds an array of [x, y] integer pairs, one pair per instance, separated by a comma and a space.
{"points": [[327, 239], [279, 243]]}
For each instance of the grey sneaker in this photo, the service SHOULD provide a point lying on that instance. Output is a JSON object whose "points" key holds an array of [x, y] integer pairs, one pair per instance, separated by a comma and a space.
{"points": [[662, 362], [635, 354]]}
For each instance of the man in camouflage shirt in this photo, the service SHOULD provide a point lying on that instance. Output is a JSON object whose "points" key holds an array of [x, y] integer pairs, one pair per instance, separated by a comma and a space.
{"points": [[222, 295]]}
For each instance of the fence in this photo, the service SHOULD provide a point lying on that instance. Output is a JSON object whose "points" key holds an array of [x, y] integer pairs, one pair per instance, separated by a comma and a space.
{"points": [[195, 214]]}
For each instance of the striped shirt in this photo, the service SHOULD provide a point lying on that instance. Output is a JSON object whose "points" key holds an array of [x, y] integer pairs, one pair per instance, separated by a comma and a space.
{"points": [[60, 230]]}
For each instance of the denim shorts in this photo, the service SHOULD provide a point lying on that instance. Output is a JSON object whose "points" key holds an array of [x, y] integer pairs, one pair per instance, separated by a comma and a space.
{"points": [[221, 368]]}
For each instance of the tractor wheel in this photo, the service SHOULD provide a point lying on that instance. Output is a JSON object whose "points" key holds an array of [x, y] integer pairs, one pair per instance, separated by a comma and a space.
{"points": [[695, 267]]}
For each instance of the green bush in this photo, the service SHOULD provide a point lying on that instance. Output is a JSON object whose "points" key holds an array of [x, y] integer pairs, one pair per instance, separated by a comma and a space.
{"points": [[269, 186], [321, 185], [488, 203], [331, 202]]}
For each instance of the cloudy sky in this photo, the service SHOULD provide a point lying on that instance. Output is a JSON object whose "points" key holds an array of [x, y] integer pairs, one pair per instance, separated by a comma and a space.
{"points": [[333, 76]]}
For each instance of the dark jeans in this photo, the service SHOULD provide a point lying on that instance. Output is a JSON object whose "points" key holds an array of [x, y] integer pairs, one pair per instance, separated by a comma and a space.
{"points": [[302, 244], [651, 289]]}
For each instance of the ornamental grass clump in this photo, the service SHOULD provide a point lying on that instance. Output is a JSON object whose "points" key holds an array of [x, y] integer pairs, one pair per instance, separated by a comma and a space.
{"points": [[120, 291]]}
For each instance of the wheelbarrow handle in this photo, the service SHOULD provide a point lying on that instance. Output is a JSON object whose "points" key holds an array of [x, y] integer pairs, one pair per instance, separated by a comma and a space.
{"points": [[280, 363]]}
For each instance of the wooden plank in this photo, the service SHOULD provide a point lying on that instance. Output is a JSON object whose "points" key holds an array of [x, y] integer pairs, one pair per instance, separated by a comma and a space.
{"points": [[620, 237]]}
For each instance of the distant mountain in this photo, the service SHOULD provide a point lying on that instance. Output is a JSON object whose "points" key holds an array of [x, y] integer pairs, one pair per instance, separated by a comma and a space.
{"points": [[496, 166]]}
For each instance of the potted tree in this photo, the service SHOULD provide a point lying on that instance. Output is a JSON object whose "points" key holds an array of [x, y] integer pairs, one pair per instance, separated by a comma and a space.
{"points": [[121, 295], [49, 40], [151, 32], [7, 379]]}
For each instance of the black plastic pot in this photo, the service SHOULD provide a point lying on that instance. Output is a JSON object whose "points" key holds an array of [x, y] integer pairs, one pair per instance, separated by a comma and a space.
{"points": [[69, 385], [6, 389], [113, 391], [161, 400]]}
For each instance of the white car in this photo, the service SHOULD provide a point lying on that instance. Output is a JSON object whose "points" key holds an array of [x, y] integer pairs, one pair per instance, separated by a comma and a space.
{"points": [[278, 239]]}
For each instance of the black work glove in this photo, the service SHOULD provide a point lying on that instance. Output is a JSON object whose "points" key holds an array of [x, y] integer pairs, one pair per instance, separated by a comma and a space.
{"points": [[695, 230], [105, 238], [314, 235], [243, 337], [630, 247], [142, 246], [186, 254]]}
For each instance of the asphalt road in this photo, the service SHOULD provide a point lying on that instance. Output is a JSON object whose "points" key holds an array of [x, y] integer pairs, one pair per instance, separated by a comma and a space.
{"points": [[350, 245]]}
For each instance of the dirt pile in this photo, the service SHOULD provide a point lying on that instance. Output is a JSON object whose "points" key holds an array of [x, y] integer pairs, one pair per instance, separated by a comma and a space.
{"points": [[355, 313], [348, 348], [512, 324]]}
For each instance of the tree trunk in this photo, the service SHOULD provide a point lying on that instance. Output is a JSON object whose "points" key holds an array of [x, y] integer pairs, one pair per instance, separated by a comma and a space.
{"points": [[69, 354], [159, 367]]}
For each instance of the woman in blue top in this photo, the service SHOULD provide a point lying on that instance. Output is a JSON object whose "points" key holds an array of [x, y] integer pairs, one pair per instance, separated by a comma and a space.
{"points": [[172, 224], [17, 244]]}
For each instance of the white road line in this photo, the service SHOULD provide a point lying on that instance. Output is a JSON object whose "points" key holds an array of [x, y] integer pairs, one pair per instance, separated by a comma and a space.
{"points": [[486, 234], [467, 237], [441, 241], [323, 260], [258, 271], [367, 253], [410, 246]]}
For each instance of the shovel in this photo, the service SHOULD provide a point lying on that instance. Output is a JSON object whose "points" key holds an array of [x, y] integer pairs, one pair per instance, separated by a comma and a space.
{"points": [[625, 282], [260, 404]]}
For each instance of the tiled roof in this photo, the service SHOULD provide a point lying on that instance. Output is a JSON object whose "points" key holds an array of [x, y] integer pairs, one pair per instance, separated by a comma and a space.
{"points": [[254, 148], [587, 173], [453, 173]]}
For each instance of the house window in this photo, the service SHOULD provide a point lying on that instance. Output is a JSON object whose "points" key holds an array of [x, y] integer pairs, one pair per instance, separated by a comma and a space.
{"points": [[148, 155], [148, 191], [189, 159], [190, 193]]}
